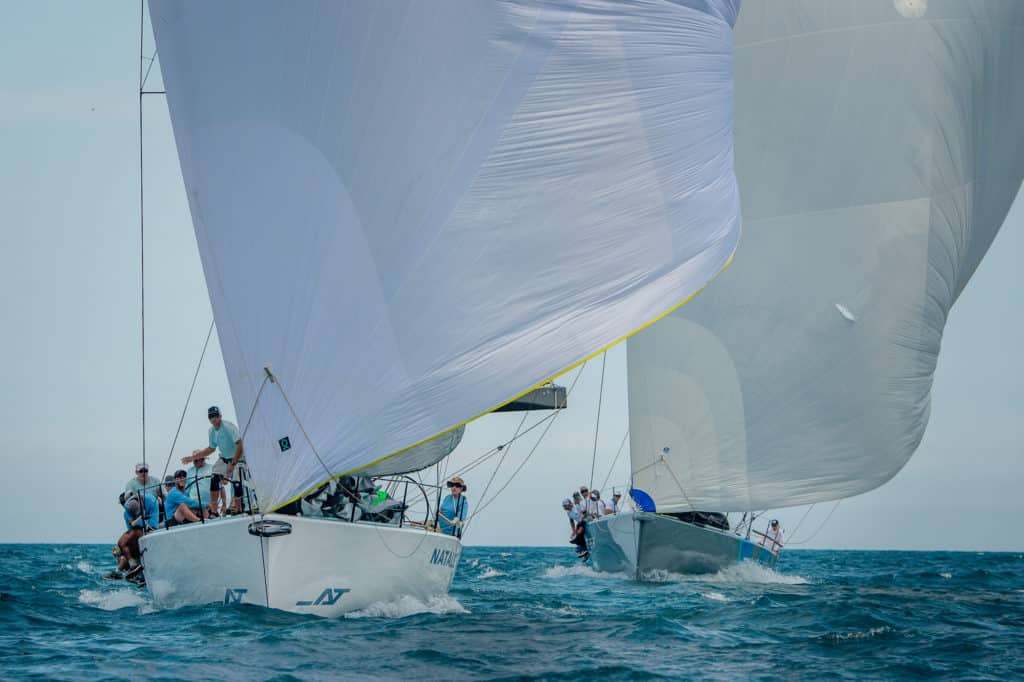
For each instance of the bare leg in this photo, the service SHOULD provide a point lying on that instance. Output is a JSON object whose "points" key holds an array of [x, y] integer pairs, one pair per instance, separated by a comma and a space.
{"points": [[184, 515]]}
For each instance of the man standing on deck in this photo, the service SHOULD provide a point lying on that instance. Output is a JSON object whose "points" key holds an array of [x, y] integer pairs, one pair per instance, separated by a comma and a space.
{"points": [[230, 465]]}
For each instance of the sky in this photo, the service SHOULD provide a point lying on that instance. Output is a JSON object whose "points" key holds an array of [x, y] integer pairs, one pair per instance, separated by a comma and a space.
{"points": [[70, 378]]}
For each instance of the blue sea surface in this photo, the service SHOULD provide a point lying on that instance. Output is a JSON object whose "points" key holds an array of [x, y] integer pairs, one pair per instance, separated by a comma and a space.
{"points": [[531, 613]]}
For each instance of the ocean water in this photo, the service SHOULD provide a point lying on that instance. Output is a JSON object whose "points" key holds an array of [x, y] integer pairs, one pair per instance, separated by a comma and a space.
{"points": [[529, 613]]}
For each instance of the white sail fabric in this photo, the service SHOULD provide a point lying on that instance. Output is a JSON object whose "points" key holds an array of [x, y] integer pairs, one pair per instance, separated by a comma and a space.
{"points": [[879, 146], [415, 211]]}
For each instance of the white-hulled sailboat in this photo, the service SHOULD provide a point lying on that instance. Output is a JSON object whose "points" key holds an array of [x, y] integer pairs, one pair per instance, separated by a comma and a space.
{"points": [[879, 146], [410, 214]]}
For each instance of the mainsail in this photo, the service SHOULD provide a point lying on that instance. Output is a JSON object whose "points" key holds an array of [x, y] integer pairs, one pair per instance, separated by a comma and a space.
{"points": [[879, 147], [409, 213]]}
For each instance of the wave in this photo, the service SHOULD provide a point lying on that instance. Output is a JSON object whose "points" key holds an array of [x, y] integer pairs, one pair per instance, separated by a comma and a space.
{"points": [[715, 596], [491, 573], [410, 606]]}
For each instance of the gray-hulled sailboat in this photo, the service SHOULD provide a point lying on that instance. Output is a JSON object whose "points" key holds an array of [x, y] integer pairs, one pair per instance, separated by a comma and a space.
{"points": [[879, 147]]}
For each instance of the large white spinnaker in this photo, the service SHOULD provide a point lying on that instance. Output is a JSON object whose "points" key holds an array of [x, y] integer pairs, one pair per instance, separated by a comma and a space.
{"points": [[879, 146], [412, 212]]}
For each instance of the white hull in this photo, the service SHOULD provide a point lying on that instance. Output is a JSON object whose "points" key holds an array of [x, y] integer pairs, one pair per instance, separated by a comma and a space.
{"points": [[323, 567]]}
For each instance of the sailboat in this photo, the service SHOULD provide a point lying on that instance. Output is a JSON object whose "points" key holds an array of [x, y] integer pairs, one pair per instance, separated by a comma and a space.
{"points": [[879, 146], [410, 215]]}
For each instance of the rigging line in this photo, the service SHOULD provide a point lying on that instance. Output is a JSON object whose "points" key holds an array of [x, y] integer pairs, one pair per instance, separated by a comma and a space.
{"points": [[149, 68], [550, 422], [383, 541], [678, 483], [616, 460], [815, 533], [142, 237], [504, 454], [495, 450], [597, 424], [801, 521], [188, 399], [298, 421]]}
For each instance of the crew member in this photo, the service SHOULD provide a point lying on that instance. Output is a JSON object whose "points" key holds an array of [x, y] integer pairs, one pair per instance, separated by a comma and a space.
{"points": [[179, 507], [772, 538], [452, 514], [230, 465]]}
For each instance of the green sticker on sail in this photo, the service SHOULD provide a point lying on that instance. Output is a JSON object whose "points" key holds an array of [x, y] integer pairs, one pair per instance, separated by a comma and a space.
{"points": [[285, 443]]}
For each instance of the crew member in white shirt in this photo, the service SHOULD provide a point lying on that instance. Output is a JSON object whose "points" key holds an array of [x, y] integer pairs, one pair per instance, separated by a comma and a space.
{"points": [[603, 508], [773, 538]]}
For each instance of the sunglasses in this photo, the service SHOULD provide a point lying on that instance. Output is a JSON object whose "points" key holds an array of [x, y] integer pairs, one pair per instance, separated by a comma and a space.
{"points": [[142, 471], [455, 485]]}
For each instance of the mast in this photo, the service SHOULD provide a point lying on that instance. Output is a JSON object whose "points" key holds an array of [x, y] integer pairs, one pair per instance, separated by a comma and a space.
{"points": [[142, 238]]}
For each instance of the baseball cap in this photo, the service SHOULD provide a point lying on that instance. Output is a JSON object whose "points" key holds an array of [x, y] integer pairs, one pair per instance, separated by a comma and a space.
{"points": [[214, 411], [132, 507]]}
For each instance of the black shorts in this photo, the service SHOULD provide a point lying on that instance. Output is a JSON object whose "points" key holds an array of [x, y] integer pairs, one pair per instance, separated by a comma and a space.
{"points": [[215, 483]]}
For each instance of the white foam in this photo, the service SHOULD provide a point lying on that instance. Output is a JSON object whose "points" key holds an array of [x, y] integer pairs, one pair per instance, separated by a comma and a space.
{"points": [[947, 576], [84, 567], [580, 570], [491, 573], [745, 572], [505, 554], [861, 634], [113, 600], [569, 611], [410, 606], [715, 596]]}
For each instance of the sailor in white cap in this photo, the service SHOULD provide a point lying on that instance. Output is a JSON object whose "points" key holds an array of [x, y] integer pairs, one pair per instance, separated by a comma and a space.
{"points": [[143, 482]]}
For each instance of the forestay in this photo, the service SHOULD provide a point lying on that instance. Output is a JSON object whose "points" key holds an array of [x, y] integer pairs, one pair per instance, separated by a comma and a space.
{"points": [[879, 145], [414, 212]]}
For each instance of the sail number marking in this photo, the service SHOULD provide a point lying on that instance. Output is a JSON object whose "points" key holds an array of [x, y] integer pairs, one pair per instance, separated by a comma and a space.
{"points": [[327, 598]]}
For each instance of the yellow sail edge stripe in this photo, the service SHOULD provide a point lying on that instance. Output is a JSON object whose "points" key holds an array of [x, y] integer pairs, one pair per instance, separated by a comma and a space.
{"points": [[568, 369]]}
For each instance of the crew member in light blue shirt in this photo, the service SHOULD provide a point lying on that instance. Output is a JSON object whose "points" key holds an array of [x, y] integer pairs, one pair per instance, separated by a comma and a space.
{"points": [[180, 508], [230, 465], [146, 518], [452, 514], [139, 518]]}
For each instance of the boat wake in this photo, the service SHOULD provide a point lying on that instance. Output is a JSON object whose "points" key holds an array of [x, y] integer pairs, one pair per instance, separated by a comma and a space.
{"points": [[410, 606], [580, 570], [746, 572]]}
